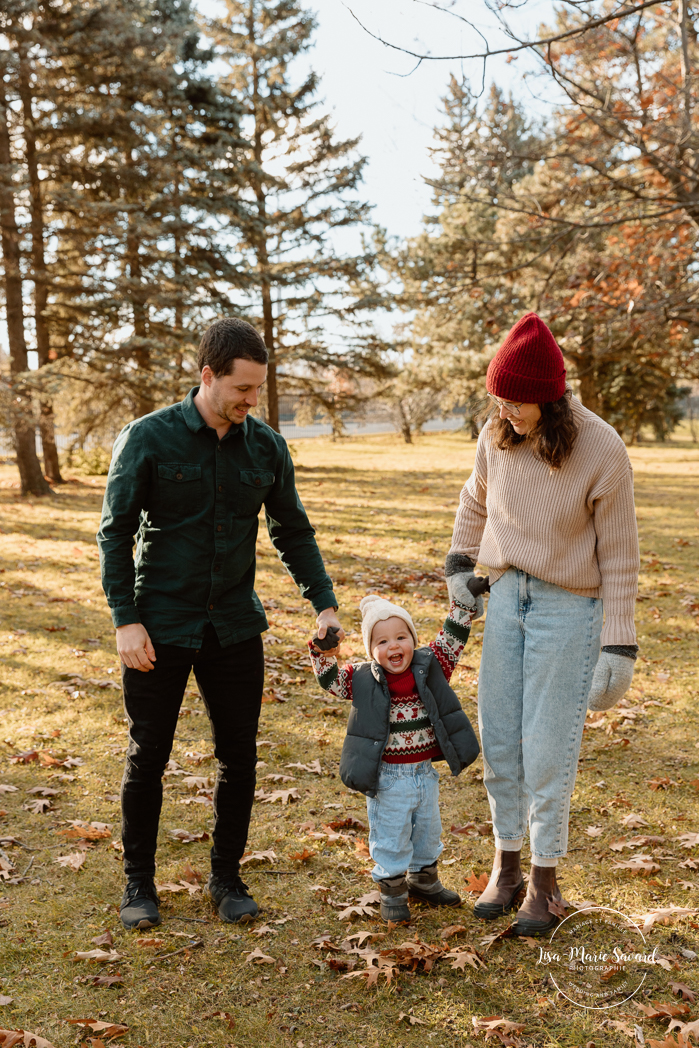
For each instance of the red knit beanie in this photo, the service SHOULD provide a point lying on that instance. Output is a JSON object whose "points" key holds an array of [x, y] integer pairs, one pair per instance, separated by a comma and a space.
{"points": [[529, 366]]}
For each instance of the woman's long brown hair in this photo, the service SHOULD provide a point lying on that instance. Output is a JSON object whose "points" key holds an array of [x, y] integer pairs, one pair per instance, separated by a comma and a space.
{"points": [[553, 437]]}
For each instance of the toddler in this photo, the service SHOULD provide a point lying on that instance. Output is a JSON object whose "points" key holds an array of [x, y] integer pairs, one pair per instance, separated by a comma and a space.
{"points": [[404, 716]]}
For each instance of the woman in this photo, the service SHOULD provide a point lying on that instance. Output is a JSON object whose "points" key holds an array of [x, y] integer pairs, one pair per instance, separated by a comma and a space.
{"points": [[549, 509]]}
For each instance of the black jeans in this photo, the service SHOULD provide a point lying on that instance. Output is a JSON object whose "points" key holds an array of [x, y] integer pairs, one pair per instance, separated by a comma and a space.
{"points": [[230, 682]]}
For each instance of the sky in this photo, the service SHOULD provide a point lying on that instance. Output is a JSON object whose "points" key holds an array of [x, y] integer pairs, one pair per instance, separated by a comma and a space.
{"points": [[377, 92]]}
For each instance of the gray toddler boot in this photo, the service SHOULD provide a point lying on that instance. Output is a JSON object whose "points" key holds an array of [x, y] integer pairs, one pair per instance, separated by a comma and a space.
{"points": [[394, 899], [426, 886]]}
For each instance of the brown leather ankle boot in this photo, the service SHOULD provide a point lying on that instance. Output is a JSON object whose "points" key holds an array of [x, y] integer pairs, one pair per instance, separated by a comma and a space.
{"points": [[534, 916], [505, 884]]}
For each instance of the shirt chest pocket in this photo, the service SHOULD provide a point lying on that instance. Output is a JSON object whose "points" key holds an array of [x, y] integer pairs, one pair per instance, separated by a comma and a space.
{"points": [[179, 486], [255, 485]]}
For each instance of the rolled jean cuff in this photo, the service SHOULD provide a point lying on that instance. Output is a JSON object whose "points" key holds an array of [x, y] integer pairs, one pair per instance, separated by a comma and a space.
{"points": [[546, 861], [513, 844]]}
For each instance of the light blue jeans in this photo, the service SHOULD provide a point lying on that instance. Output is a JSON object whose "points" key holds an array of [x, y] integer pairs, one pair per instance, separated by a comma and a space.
{"points": [[540, 648], [404, 824]]}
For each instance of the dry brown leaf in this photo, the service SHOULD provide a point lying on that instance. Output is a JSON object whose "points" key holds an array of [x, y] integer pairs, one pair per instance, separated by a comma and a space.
{"points": [[451, 929], [313, 767], [681, 990], [685, 1030], [38, 806], [594, 831], [105, 939], [460, 958], [185, 837], [108, 1030], [258, 957], [103, 956], [258, 856], [362, 848], [226, 1017], [689, 840], [411, 1019], [642, 864], [87, 831], [73, 861], [181, 886], [10, 1038], [150, 943], [632, 821], [663, 915], [660, 1010], [4, 788], [302, 856], [477, 885], [283, 796]]}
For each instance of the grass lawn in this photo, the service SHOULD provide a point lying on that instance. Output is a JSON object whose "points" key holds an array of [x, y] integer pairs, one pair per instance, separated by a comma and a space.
{"points": [[383, 511]]}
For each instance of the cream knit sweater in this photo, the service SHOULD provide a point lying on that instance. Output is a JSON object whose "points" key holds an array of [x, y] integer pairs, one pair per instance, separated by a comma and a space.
{"points": [[574, 527]]}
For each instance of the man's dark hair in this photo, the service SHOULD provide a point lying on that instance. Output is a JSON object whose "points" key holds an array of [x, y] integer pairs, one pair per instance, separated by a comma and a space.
{"points": [[228, 340]]}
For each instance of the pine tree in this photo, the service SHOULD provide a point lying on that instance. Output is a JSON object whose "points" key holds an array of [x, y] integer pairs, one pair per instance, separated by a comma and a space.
{"points": [[31, 475], [299, 186]]}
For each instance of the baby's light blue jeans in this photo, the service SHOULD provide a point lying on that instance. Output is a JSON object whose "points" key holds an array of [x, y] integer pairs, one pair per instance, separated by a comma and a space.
{"points": [[540, 648], [404, 824]]}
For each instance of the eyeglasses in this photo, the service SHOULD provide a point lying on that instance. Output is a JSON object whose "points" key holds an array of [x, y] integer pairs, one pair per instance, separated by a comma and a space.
{"points": [[512, 408]]}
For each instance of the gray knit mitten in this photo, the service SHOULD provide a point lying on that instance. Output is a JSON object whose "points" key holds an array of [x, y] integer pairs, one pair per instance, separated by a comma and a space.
{"points": [[612, 677], [462, 582]]}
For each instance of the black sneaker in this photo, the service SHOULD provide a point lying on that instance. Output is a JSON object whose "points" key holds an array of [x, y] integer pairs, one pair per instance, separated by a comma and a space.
{"points": [[234, 902], [139, 905]]}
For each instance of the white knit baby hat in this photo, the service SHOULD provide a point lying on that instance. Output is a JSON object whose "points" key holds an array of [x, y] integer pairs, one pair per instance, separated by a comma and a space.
{"points": [[375, 609]]}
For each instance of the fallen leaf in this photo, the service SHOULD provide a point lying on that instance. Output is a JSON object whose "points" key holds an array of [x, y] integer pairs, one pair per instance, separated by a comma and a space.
{"points": [[411, 1019], [362, 848], [106, 980], [258, 856], [350, 823], [685, 1031], [313, 767], [97, 955], [477, 885], [105, 939], [258, 957], [73, 861], [185, 837], [659, 1010], [594, 831], [87, 831], [495, 1024], [689, 840], [150, 942], [7, 789], [642, 864], [24, 758], [681, 990], [38, 807], [181, 886], [451, 929], [664, 915], [632, 821], [302, 856], [661, 784], [104, 1029], [5, 1000], [10, 1038], [264, 930], [460, 958], [283, 796]]}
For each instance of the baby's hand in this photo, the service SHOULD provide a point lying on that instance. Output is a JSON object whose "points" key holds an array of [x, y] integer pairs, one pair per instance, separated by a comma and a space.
{"points": [[329, 644]]}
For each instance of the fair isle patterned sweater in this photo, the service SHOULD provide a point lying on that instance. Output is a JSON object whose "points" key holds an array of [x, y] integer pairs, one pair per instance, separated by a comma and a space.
{"points": [[411, 737]]}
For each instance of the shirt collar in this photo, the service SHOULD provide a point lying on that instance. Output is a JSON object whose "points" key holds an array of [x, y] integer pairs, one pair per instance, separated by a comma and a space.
{"points": [[195, 422]]}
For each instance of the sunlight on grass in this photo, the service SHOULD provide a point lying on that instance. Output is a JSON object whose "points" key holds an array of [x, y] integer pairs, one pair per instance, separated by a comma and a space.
{"points": [[383, 512]]}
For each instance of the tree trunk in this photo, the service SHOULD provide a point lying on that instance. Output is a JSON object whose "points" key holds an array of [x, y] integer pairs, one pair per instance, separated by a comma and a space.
{"points": [[31, 477], [268, 323], [43, 345]]}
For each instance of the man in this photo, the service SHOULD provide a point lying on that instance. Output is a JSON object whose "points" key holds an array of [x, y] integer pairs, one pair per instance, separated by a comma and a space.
{"points": [[190, 480]]}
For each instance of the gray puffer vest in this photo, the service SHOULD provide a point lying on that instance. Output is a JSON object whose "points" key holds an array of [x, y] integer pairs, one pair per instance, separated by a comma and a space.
{"points": [[368, 726]]}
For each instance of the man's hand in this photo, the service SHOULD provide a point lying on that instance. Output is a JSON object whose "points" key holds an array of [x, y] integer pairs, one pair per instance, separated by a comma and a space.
{"points": [[134, 647], [329, 618]]}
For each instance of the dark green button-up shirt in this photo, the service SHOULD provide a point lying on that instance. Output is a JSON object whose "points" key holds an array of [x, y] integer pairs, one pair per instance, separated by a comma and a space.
{"points": [[192, 501]]}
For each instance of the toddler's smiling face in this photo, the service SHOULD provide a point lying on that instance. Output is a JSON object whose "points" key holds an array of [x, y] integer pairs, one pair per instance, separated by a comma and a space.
{"points": [[392, 645]]}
